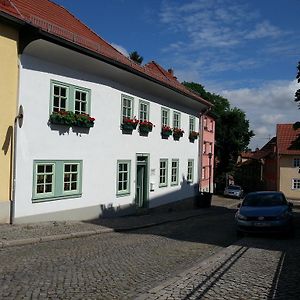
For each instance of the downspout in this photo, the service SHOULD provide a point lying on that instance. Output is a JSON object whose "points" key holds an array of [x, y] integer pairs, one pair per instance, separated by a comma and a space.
{"points": [[18, 120]]}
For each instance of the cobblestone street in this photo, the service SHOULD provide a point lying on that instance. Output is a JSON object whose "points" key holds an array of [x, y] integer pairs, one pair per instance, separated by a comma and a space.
{"points": [[195, 258]]}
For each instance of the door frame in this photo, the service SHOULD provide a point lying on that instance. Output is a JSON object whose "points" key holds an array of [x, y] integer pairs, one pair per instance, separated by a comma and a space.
{"points": [[147, 155]]}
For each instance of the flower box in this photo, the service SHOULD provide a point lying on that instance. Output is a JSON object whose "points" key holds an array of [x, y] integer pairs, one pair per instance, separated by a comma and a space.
{"points": [[177, 133], [84, 121], [145, 126], [62, 118], [68, 118], [129, 124], [193, 135], [166, 131]]}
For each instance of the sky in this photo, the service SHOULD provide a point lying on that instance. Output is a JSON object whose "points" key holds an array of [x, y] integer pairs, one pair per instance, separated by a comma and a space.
{"points": [[246, 51]]}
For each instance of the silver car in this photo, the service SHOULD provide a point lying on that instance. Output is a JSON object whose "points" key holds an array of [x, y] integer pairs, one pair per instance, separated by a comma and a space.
{"points": [[234, 191]]}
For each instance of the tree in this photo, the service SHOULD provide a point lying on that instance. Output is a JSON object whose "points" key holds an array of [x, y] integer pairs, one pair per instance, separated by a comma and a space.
{"points": [[297, 95], [136, 57], [232, 130]]}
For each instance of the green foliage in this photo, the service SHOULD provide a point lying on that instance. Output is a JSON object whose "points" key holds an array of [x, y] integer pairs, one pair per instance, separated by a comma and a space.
{"points": [[136, 57], [297, 94], [232, 130]]}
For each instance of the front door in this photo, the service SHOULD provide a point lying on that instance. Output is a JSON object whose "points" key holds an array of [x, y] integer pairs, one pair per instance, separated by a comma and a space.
{"points": [[141, 181]]}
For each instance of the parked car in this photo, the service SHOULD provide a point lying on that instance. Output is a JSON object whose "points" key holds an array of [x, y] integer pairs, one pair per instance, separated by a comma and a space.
{"points": [[234, 191], [264, 211]]}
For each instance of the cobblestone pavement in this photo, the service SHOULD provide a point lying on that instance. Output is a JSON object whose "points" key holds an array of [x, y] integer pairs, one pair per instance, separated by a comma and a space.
{"points": [[112, 265], [256, 267]]}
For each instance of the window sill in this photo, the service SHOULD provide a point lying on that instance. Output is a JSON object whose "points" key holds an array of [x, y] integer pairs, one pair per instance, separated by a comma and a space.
{"points": [[52, 198]]}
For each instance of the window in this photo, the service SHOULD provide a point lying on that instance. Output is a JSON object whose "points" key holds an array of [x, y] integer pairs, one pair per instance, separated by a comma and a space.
{"points": [[192, 123], [67, 97], [176, 119], [296, 162], [190, 170], [123, 178], [127, 107], [204, 147], [205, 123], [296, 184], [144, 111], [165, 117], [71, 172], [211, 126], [163, 172], [174, 172], [210, 148], [56, 179], [203, 173]]}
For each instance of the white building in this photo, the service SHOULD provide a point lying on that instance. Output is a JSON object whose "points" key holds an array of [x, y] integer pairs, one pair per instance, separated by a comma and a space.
{"points": [[75, 173]]}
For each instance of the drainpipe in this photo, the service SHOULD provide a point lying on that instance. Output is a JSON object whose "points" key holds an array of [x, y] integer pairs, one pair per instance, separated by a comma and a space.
{"points": [[17, 121]]}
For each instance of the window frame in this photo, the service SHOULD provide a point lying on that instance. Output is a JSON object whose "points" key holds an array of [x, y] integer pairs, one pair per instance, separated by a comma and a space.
{"points": [[296, 165], [192, 124], [131, 99], [123, 192], [176, 113], [173, 183], [293, 183], [147, 104], [191, 180], [167, 110], [166, 175], [71, 92], [58, 181]]}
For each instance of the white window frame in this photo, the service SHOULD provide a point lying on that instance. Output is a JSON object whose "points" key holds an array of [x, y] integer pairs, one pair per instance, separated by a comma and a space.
{"points": [[190, 171], [192, 124], [144, 115], [296, 162], [131, 101], [176, 119], [296, 181], [167, 111], [176, 169]]}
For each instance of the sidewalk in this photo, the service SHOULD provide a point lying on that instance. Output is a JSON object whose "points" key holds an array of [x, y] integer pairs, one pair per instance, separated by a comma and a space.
{"points": [[16, 235]]}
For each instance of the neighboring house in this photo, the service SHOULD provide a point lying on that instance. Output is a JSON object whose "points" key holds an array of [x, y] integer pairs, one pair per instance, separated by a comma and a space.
{"points": [[288, 160], [276, 164], [207, 150], [70, 166], [8, 98]]}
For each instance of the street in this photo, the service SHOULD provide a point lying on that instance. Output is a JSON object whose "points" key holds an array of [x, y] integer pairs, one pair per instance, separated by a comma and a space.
{"points": [[188, 259]]}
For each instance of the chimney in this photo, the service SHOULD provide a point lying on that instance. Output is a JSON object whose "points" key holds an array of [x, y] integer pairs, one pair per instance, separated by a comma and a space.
{"points": [[171, 71]]}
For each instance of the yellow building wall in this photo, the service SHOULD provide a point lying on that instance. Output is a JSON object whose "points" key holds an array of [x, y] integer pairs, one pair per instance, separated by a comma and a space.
{"points": [[8, 98], [287, 173]]}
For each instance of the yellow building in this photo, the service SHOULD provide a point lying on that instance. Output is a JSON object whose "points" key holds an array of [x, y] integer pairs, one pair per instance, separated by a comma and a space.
{"points": [[8, 100]]}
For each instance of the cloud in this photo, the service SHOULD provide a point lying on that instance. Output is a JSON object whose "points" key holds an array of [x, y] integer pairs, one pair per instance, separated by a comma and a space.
{"points": [[264, 30], [120, 49], [266, 106]]}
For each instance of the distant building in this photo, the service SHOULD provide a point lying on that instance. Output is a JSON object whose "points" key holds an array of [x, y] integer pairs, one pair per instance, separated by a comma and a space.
{"points": [[207, 149], [276, 166]]}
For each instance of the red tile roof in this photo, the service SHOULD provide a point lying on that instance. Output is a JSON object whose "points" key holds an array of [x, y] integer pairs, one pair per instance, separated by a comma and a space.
{"points": [[268, 148], [56, 20], [287, 139]]}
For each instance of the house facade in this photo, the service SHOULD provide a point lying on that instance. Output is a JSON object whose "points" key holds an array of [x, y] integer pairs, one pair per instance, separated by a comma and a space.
{"points": [[207, 152], [100, 134], [276, 165], [8, 98]]}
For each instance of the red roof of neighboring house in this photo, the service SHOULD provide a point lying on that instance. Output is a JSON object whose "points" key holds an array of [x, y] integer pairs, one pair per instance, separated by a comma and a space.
{"points": [[287, 139], [56, 20], [247, 154], [268, 148]]}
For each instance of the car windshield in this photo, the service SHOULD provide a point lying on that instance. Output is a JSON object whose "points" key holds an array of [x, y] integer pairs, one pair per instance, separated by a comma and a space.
{"points": [[264, 200], [234, 187]]}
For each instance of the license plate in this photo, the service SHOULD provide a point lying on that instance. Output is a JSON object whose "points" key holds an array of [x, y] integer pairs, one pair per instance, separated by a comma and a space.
{"points": [[261, 224]]}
